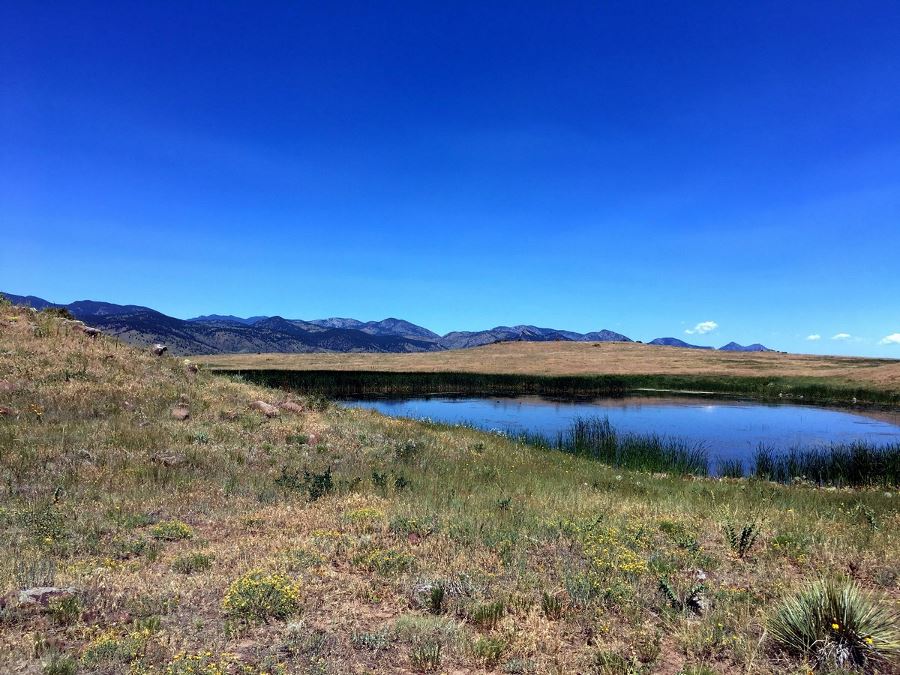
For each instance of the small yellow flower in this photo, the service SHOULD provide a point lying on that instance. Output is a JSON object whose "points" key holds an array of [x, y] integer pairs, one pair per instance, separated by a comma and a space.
{"points": [[869, 641], [835, 626]]}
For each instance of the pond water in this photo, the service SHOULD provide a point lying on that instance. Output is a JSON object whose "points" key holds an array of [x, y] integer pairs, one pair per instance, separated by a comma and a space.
{"points": [[728, 429]]}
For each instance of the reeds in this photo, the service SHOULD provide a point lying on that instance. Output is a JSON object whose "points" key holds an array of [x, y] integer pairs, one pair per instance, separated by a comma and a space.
{"points": [[857, 464], [347, 383], [594, 437]]}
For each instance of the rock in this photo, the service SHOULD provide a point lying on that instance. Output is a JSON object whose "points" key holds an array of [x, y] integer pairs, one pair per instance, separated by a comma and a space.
{"points": [[264, 408], [181, 412], [290, 406], [159, 350], [41, 595], [91, 332], [191, 367]]}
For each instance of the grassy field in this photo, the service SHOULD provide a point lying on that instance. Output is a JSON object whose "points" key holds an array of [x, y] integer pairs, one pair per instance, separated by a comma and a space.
{"points": [[329, 540], [564, 368], [580, 358]]}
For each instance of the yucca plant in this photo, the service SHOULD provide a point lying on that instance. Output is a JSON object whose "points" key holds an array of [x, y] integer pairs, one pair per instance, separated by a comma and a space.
{"points": [[835, 625]]}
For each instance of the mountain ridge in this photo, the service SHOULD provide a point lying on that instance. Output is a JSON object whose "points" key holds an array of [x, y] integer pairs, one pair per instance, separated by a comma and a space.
{"points": [[226, 333]]}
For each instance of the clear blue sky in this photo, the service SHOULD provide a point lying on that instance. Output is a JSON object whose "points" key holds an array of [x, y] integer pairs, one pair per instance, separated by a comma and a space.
{"points": [[638, 166]]}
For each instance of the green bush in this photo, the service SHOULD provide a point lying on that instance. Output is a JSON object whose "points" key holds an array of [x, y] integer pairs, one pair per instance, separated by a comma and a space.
{"points": [[192, 562], [489, 650], [258, 596], [384, 561], [836, 625], [487, 615], [171, 530], [60, 664]]}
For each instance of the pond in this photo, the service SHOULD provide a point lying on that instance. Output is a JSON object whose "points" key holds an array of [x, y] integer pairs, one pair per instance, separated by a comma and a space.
{"points": [[727, 429]]}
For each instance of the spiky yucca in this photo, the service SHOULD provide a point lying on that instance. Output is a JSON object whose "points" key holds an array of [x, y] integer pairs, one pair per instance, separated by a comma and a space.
{"points": [[834, 624]]}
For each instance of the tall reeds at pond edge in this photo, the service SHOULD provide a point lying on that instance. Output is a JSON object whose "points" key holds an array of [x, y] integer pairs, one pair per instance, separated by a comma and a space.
{"points": [[857, 464], [350, 383], [594, 437]]}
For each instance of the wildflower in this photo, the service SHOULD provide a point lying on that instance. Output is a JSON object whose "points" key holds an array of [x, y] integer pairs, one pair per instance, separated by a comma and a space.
{"points": [[835, 626]]}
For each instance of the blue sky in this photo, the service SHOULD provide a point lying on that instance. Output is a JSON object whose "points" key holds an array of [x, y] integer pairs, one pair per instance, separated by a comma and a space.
{"points": [[639, 166]]}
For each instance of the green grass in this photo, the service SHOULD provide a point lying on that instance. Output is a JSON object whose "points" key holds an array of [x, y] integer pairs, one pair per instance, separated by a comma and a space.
{"points": [[809, 390]]}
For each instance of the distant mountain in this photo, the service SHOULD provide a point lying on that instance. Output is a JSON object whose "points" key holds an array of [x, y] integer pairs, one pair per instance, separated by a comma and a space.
{"points": [[227, 318], [388, 326], [29, 301], [218, 335], [675, 342], [735, 347], [225, 333], [464, 339]]}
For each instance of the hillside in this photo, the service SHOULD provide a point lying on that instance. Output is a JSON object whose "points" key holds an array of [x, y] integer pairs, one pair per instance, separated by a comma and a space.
{"points": [[185, 532]]}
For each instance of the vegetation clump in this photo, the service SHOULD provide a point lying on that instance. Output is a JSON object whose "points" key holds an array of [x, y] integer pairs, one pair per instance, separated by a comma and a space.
{"points": [[258, 596], [835, 625], [171, 530]]}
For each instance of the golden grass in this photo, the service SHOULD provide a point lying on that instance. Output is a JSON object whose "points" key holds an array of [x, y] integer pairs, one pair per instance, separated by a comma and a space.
{"points": [[577, 358]]}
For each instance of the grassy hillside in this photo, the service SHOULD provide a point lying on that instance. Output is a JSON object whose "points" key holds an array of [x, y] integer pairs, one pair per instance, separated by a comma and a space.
{"points": [[325, 540]]}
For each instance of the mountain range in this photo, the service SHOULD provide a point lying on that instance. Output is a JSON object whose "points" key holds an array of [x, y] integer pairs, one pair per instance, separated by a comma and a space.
{"points": [[224, 334]]}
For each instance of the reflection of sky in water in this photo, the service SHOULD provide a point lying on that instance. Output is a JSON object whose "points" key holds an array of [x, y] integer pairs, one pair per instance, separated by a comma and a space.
{"points": [[728, 429]]}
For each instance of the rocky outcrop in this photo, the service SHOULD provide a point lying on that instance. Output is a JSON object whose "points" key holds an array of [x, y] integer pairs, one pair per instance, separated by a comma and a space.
{"points": [[265, 408]]}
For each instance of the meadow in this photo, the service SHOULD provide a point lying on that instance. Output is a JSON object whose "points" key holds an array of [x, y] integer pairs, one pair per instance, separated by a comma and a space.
{"points": [[576, 368], [190, 533]]}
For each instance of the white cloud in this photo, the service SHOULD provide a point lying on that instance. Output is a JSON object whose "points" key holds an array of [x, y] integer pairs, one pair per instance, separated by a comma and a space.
{"points": [[841, 336], [814, 337], [892, 339], [702, 328]]}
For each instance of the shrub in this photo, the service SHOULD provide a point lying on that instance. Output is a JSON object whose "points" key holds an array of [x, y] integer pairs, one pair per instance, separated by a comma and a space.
{"points": [[436, 595], [171, 530], [741, 542], [426, 656], [111, 648], [375, 642], [488, 614], [315, 485], [60, 664], [488, 650], [260, 596], [552, 605], [65, 610], [192, 562], [384, 561], [196, 664], [836, 625]]}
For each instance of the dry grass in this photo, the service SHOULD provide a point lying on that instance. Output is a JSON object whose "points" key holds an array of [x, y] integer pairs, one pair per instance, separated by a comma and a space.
{"points": [[91, 462], [575, 358]]}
